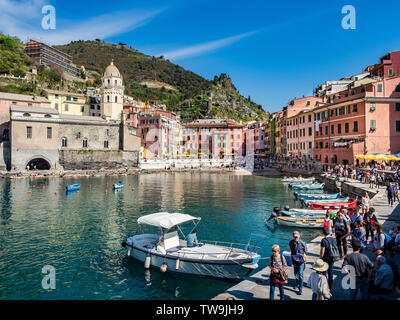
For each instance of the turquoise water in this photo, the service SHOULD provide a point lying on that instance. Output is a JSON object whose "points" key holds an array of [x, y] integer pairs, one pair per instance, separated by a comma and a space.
{"points": [[80, 234]]}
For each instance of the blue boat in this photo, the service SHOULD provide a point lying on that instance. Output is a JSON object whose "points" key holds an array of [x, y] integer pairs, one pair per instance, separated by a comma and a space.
{"points": [[73, 187], [307, 196], [118, 185], [307, 201]]}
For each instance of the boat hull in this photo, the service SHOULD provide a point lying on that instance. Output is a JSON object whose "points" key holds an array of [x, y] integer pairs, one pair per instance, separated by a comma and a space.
{"points": [[318, 197], [227, 270], [334, 205], [297, 223], [305, 214]]}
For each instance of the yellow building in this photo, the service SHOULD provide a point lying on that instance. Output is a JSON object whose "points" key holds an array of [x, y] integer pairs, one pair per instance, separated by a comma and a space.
{"points": [[68, 102]]}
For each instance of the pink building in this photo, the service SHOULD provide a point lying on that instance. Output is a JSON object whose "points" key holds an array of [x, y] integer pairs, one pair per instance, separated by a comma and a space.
{"points": [[298, 128], [214, 138]]}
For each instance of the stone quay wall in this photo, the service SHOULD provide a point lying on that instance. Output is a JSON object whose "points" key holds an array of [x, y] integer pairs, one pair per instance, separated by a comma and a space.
{"points": [[98, 159]]}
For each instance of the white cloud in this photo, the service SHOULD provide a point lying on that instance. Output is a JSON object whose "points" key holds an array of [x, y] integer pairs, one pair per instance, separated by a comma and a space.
{"points": [[198, 49], [23, 19]]}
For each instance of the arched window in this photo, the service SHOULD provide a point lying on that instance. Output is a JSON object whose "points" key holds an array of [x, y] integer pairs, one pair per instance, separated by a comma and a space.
{"points": [[64, 142], [105, 143], [85, 143], [116, 82], [116, 99], [108, 98], [108, 81], [398, 88]]}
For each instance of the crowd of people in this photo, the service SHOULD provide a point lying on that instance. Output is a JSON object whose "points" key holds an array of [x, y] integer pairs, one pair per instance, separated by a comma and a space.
{"points": [[360, 228]]}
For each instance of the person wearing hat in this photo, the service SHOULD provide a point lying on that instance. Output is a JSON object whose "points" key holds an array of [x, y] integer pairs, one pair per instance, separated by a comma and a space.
{"points": [[298, 250], [318, 281]]}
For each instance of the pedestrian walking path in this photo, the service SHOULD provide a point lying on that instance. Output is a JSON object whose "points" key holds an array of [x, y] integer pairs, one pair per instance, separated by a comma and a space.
{"points": [[257, 286]]}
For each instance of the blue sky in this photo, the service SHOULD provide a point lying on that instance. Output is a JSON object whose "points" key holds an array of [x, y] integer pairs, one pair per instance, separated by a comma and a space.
{"points": [[273, 50]]}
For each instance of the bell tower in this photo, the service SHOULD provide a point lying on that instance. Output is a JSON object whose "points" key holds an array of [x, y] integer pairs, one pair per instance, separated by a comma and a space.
{"points": [[112, 93]]}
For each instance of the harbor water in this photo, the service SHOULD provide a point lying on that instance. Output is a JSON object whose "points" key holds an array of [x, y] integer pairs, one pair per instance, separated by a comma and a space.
{"points": [[80, 233]]}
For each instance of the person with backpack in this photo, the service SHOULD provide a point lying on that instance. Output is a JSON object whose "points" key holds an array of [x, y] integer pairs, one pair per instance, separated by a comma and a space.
{"points": [[359, 264], [355, 217], [328, 223], [298, 250], [329, 253], [342, 228], [279, 273], [359, 234], [370, 221], [318, 282]]}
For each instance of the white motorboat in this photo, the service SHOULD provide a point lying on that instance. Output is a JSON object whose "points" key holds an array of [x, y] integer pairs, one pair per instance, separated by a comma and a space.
{"points": [[168, 252], [298, 180]]}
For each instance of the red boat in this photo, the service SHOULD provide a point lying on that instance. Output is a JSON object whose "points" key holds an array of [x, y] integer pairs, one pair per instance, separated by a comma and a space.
{"points": [[334, 205]]}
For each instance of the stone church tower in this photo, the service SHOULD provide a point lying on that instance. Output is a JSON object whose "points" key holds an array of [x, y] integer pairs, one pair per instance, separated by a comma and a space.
{"points": [[112, 93]]}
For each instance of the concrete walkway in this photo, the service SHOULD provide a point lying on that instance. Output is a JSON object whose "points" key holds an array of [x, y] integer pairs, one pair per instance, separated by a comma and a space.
{"points": [[257, 286]]}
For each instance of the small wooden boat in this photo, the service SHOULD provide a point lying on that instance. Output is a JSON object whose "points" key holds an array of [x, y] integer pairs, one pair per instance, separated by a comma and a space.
{"points": [[298, 180], [309, 214], [73, 187], [306, 210], [308, 186], [308, 196], [308, 202], [334, 205], [118, 185], [300, 222]]}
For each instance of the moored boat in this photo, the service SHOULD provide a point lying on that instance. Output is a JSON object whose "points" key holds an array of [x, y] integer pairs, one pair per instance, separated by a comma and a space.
{"points": [[118, 185], [308, 196], [73, 187], [308, 186], [168, 252], [334, 205], [300, 222], [298, 180], [308, 202], [308, 214]]}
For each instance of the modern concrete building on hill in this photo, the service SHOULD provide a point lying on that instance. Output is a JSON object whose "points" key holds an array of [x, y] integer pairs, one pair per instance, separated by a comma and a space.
{"points": [[49, 56]]}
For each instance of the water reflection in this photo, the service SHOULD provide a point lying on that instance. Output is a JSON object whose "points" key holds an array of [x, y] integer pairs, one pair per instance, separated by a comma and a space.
{"points": [[80, 234]]}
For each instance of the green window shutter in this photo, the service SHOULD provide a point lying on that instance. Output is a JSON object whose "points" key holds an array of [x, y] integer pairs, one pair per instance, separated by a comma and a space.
{"points": [[355, 129], [372, 106], [373, 125]]}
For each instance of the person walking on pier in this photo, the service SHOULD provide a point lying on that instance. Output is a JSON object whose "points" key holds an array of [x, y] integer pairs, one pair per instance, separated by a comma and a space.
{"points": [[318, 282], [328, 253], [278, 275], [342, 228], [362, 267], [365, 201], [390, 194], [298, 250], [370, 220], [396, 192]]}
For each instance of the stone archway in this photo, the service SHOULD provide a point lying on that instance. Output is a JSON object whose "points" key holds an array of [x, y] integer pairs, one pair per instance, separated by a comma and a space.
{"points": [[38, 163]]}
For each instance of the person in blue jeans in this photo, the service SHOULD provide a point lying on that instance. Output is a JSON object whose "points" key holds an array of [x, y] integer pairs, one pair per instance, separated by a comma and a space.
{"points": [[358, 265], [298, 249], [277, 265]]}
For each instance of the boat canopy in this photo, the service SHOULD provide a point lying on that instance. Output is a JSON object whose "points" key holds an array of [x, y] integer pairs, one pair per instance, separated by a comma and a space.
{"points": [[166, 220]]}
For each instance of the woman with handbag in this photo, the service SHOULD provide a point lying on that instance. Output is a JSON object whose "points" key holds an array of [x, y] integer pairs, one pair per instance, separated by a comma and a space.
{"points": [[279, 273]]}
